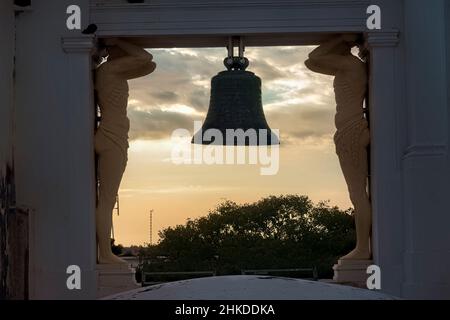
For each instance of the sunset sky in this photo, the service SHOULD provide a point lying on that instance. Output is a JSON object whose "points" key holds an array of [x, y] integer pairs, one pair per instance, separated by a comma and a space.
{"points": [[296, 101]]}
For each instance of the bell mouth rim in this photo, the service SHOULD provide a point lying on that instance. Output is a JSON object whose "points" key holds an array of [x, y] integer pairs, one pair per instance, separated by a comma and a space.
{"points": [[271, 140], [237, 71]]}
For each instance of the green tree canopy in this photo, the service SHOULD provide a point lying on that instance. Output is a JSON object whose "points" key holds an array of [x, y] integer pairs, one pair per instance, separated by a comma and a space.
{"points": [[276, 232]]}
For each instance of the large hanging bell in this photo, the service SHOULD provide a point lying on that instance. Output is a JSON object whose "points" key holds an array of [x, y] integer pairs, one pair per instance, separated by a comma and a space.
{"points": [[235, 109]]}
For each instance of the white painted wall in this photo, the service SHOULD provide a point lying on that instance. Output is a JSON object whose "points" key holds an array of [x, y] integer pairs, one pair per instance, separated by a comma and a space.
{"points": [[425, 162], [409, 108], [6, 117], [54, 150], [6, 81], [409, 116], [212, 17], [388, 138]]}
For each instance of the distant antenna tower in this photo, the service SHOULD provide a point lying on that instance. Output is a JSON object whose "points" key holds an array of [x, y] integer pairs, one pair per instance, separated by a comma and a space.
{"points": [[151, 227]]}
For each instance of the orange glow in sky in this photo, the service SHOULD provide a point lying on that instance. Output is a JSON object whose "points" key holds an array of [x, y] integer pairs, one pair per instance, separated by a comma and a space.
{"points": [[296, 101]]}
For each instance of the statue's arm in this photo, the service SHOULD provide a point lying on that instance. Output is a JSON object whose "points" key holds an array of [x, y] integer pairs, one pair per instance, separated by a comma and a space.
{"points": [[131, 67], [324, 65], [131, 49], [326, 48], [331, 64], [137, 63], [328, 58]]}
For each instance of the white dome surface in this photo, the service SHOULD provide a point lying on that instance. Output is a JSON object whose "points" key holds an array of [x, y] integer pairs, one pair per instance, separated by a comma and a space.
{"points": [[249, 288]]}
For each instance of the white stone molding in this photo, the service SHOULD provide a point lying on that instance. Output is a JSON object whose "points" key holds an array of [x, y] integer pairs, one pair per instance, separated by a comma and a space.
{"points": [[386, 167], [426, 151], [78, 44], [383, 38], [207, 17]]}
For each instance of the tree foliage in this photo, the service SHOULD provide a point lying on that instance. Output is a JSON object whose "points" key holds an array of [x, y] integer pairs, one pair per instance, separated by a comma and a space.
{"points": [[274, 233]]}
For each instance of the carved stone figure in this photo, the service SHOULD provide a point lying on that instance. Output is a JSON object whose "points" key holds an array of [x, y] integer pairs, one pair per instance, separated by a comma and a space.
{"points": [[124, 61], [352, 136]]}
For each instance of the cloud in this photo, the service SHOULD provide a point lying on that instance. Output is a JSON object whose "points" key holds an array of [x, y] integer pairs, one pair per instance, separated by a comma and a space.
{"points": [[303, 122], [174, 190], [199, 99], [167, 96], [297, 101], [266, 70], [182, 76], [282, 57], [157, 124]]}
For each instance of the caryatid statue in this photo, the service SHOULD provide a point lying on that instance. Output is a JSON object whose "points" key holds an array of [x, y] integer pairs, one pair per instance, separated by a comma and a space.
{"points": [[124, 61], [352, 136]]}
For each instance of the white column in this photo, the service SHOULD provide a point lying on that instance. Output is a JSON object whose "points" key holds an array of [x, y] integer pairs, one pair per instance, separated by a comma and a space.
{"points": [[386, 153], [426, 159], [53, 149], [54, 157], [81, 112], [6, 130]]}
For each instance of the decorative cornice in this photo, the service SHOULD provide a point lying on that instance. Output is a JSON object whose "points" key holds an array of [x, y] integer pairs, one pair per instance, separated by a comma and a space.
{"points": [[103, 4], [425, 151], [225, 17], [383, 38], [78, 44]]}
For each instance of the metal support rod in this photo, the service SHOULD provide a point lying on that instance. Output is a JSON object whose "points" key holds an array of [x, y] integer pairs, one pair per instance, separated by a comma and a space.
{"points": [[241, 47], [230, 47]]}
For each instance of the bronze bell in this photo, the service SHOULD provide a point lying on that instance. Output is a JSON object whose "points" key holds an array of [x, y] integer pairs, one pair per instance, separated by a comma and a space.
{"points": [[235, 103]]}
